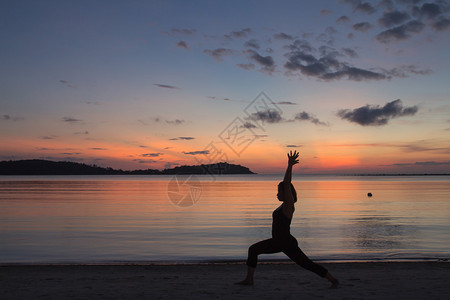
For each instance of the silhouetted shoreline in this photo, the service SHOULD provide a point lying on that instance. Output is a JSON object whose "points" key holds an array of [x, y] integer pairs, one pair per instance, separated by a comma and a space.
{"points": [[47, 167]]}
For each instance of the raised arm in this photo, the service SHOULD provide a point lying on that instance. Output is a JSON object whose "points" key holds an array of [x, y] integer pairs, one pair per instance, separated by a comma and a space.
{"points": [[288, 203], [292, 160]]}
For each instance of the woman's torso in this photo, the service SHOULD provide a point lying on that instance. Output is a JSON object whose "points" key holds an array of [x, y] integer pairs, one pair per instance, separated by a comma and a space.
{"points": [[281, 224]]}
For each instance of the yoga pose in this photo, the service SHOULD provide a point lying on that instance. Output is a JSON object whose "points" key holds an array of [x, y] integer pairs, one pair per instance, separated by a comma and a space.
{"points": [[282, 240]]}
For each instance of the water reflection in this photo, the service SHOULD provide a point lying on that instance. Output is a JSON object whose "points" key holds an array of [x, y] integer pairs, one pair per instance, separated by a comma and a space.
{"points": [[133, 219]]}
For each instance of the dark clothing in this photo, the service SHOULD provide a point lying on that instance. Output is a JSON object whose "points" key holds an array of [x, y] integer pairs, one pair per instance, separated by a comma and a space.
{"points": [[281, 224], [283, 241]]}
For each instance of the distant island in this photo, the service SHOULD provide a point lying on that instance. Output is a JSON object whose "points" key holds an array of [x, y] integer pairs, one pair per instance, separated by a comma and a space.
{"points": [[47, 167]]}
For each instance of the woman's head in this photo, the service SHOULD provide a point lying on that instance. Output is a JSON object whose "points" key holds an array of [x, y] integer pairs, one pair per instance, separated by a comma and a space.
{"points": [[280, 194]]}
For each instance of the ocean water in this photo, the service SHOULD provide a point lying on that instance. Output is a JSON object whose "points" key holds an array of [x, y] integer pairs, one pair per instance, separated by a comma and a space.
{"points": [[102, 219]]}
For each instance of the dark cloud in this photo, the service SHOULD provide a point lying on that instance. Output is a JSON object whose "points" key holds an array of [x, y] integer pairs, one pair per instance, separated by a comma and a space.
{"points": [[182, 44], [362, 27], [266, 116], [441, 24], [265, 61], [419, 163], [325, 12], [10, 118], [98, 148], [326, 66], [186, 138], [293, 146], [184, 31], [428, 10], [219, 53], [49, 137], [286, 103], [252, 44], [172, 122], [401, 32], [151, 154], [70, 120], [404, 71], [67, 83], [197, 152], [365, 7], [238, 34], [392, 18], [304, 116], [283, 36], [248, 125], [145, 161], [376, 115], [82, 132], [247, 67], [388, 4], [166, 86], [350, 52], [343, 19]]}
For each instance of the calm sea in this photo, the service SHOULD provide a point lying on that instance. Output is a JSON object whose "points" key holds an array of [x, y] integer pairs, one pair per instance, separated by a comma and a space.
{"points": [[98, 219]]}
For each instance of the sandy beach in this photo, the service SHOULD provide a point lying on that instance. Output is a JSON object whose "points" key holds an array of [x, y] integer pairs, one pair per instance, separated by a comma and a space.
{"points": [[387, 280]]}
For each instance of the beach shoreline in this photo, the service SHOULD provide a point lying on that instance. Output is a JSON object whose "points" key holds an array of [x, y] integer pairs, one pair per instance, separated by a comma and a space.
{"points": [[273, 280]]}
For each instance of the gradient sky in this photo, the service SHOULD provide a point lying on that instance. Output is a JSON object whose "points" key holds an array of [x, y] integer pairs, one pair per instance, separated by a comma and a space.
{"points": [[356, 86]]}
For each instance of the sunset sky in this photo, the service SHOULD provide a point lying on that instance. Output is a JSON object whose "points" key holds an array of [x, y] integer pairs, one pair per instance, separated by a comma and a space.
{"points": [[354, 86]]}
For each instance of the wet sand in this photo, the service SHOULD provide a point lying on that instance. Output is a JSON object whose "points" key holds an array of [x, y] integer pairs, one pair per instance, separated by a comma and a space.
{"points": [[387, 280]]}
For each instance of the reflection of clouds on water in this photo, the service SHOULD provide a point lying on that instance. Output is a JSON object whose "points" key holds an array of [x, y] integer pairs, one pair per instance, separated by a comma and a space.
{"points": [[377, 233]]}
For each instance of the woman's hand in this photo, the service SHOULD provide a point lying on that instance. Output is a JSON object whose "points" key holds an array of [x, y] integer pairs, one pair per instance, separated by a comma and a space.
{"points": [[293, 158]]}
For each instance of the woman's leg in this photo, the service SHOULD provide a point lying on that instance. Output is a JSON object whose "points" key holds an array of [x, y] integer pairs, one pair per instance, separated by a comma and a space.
{"points": [[292, 250], [263, 247]]}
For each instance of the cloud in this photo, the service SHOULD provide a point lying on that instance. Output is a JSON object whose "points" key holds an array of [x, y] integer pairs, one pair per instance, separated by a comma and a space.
{"points": [[171, 122], [269, 116], [405, 70], [283, 36], [391, 18], [365, 7], [182, 44], [266, 62], [376, 115], [350, 52], [325, 12], [197, 152], [165, 86], [219, 53], [10, 118], [293, 146], [343, 19], [323, 63], [145, 161], [248, 125], [428, 10], [81, 132], [252, 44], [98, 148], [362, 27], [66, 83], [49, 137], [402, 32], [151, 154], [304, 116], [247, 67], [183, 31], [441, 24], [238, 34], [418, 163], [71, 120], [286, 103], [186, 138]]}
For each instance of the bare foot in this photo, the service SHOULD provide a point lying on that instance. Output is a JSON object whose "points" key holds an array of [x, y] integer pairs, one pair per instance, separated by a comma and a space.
{"points": [[245, 282], [335, 285]]}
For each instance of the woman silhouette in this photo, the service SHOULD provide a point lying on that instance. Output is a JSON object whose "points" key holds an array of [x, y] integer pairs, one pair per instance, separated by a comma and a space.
{"points": [[282, 240]]}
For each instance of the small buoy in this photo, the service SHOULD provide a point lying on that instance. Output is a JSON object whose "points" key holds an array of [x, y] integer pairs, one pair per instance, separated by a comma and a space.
{"points": [[369, 194]]}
